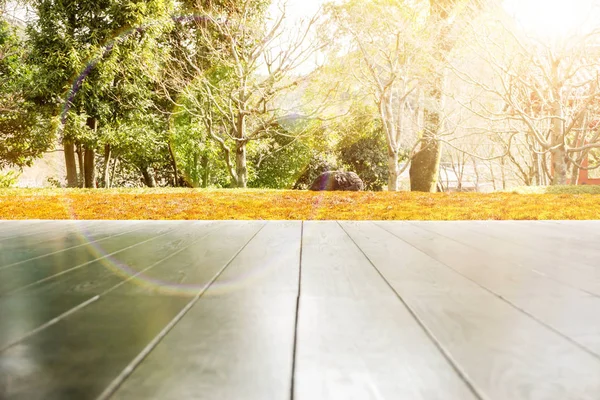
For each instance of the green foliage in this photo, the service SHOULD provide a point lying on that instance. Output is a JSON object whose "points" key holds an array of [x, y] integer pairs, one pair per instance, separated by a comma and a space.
{"points": [[317, 164], [8, 179], [365, 153], [23, 135], [279, 162], [198, 158], [93, 65]]}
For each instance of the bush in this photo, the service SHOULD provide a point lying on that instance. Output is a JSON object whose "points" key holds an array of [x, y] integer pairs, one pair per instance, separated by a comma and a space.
{"points": [[9, 179], [367, 156], [315, 167], [278, 162]]}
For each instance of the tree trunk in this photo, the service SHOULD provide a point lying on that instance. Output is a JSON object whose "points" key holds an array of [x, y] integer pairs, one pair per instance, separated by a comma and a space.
{"points": [[89, 167], [536, 168], [425, 166], [106, 174], [114, 168], [392, 170], [240, 165], [559, 166], [575, 176], [89, 159], [559, 153], [174, 165], [503, 173], [148, 176], [81, 182], [205, 171], [476, 175], [492, 175], [71, 167]]}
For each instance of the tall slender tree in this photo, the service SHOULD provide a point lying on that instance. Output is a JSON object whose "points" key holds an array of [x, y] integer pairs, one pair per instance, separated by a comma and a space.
{"points": [[23, 136], [235, 72], [83, 52], [446, 19]]}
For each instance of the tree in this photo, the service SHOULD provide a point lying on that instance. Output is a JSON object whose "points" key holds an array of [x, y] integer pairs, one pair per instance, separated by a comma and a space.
{"points": [[235, 74], [196, 156], [546, 100], [446, 19], [390, 43], [83, 65], [23, 135]]}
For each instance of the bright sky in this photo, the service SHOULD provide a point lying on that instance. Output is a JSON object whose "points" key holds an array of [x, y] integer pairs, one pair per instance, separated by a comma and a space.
{"points": [[555, 19], [547, 18]]}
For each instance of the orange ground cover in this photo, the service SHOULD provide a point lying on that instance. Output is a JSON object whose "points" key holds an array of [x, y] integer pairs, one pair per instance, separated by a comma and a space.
{"points": [[283, 204]]}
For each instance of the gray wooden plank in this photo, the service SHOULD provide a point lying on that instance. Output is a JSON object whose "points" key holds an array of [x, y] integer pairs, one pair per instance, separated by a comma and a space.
{"points": [[43, 229], [236, 342], [504, 353], [39, 304], [22, 275], [355, 338], [84, 234], [571, 313], [577, 224], [579, 246], [10, 224], [76, 357], [529, 248], [80, 355], [502, 270], [542, 254]]}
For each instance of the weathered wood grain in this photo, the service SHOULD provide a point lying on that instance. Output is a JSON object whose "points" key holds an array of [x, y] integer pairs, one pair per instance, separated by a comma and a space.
{"points": [[236, 342], [84, 234], [39, 304], [387, 310], [537, 286], [356, 339], [578, 248], [80, 355], [38, 230], [504, 353], [18, 276]]}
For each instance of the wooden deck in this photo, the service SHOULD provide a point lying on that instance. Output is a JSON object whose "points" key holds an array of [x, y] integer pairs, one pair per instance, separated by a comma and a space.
{"points": [[290, 310]]}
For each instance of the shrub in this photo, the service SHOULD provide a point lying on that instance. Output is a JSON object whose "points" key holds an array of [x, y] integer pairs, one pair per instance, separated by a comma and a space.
{"points": [[9, 179]]}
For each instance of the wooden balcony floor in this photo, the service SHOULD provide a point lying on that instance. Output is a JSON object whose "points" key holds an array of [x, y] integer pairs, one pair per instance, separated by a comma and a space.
{"points": [[303, 310]]}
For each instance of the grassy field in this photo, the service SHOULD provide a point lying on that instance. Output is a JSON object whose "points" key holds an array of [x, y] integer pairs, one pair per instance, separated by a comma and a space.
{"points": [[286, 204]]}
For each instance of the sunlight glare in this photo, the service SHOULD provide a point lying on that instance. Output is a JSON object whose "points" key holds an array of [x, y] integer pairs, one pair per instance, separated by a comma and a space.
{"points": [[555, 19]]}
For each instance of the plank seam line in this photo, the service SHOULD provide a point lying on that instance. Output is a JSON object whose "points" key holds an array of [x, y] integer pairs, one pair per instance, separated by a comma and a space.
{"points": [[51, 322], [212, 229], [502, 298], [69, 248], [30, 234], [544, 274], [118, 381], [462, 374], [96, 297], [85, 264], [520, 245], [295, 346]]}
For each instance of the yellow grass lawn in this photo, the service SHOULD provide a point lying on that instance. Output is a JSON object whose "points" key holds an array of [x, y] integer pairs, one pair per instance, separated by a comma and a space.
{"points": [[284, 204]]}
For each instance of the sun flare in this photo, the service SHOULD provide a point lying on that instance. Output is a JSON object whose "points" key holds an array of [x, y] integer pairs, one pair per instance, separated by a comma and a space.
{"points": [[555, 19]]}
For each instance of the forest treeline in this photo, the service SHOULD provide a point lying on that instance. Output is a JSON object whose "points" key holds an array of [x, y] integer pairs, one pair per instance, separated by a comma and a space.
{"points": [[244, 93]]}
